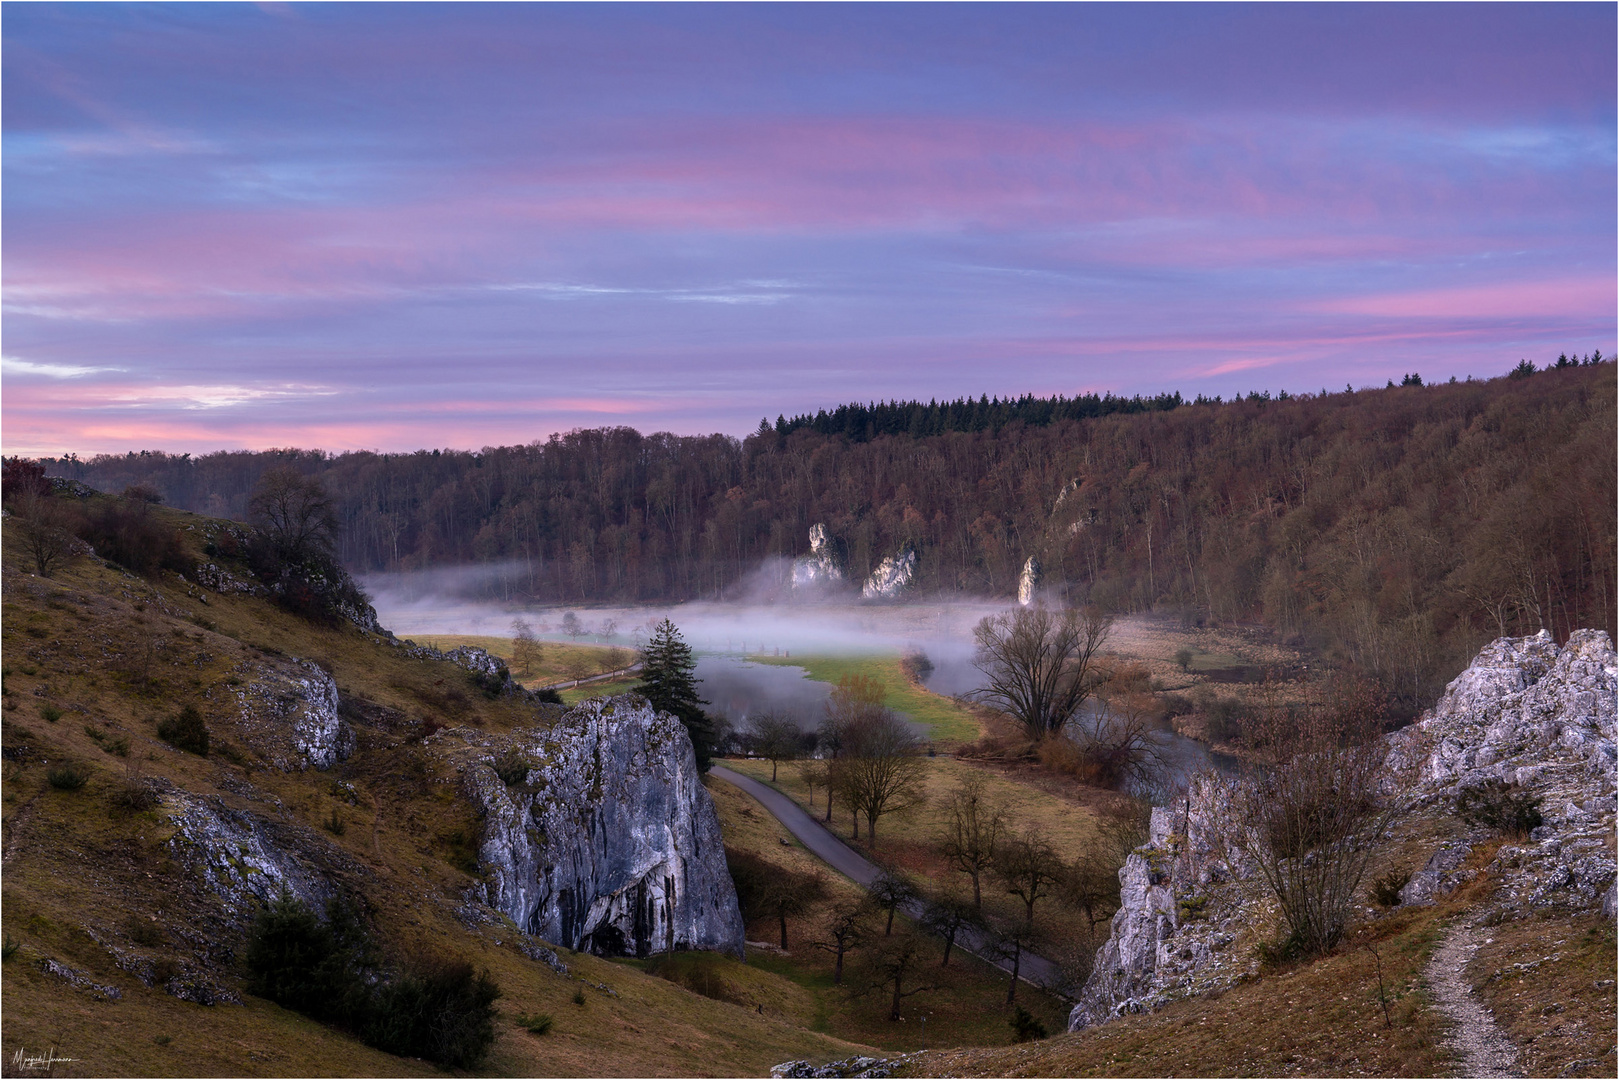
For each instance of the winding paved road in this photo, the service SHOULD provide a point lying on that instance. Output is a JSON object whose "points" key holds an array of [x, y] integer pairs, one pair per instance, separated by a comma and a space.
{"points": [[857, 868]]}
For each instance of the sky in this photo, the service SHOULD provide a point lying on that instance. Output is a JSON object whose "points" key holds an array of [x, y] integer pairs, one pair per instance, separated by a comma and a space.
{"points": [[391, 227]]}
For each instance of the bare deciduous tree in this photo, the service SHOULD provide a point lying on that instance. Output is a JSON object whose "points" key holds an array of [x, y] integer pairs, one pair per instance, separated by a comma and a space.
{"points": [[294, 512], [891, 891], [47, 529], [947, 916], [526, 650], [890, 964], [847, 927], [972, 829], [1030, 869], [879, 770], [1312, 822], [1040, 663], [774, 738]]}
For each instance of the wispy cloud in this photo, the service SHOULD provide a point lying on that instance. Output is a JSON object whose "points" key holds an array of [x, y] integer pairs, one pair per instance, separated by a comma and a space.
{"points": [[13, 365]]}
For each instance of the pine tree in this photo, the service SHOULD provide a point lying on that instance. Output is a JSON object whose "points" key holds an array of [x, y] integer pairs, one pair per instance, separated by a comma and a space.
{"points": [[668, 682]]}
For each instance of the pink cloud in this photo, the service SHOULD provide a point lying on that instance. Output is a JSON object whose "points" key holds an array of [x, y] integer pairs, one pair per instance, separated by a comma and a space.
{"points": [[1581, 296]]}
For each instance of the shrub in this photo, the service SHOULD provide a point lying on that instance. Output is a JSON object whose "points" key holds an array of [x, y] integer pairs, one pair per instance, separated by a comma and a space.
{"points": [[187, 731], [548, 696], [442, 1012], [125, 531], [132, 792], [68, 777], [512, 768], [1026, 1025], [334, 825], [313, 967], [1386, 889], [1183, 659], [8, 948], [50, 713], [1498, 806], [539, 1024]]}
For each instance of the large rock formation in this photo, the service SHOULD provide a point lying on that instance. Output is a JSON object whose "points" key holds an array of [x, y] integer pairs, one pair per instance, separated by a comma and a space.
{"points": [[1028, 582], [891, 578], [605, 839], [1526, 713], [821, 568]]}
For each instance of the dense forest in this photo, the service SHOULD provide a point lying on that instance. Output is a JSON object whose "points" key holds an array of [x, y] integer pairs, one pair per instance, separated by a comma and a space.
{"points": [[1398, 528]]}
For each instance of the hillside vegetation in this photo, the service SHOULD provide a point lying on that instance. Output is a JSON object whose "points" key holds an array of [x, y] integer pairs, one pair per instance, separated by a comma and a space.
{"points": [[106, 920], [1400, 528]]}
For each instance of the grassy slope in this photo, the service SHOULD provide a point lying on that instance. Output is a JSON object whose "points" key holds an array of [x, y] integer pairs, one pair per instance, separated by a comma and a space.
{"points": [[74, 864], [947, 721]]}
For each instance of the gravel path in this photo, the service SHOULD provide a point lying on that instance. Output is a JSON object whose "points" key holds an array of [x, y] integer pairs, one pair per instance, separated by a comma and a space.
{"points": [[1482, 1047]]}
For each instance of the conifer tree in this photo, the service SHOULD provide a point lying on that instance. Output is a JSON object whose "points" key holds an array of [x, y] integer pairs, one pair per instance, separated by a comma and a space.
{"points": [[669, 683]]}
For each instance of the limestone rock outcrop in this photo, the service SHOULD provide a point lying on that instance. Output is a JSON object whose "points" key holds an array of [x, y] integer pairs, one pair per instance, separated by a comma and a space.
{"points": [[1526, 713], [605, 839], [892, 577], [287, 712], [1028, 582], [821, 568]]}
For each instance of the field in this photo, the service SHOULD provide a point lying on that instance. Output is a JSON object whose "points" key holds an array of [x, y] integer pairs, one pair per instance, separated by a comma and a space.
{"points": [[947, 722], [967, 1006]]}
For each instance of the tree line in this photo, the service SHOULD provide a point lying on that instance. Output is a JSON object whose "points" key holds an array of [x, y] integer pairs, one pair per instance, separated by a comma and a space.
{"points": [[1399, 528]]}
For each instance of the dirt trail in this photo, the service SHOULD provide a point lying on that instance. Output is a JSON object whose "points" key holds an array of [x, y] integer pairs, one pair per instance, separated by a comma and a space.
{"points": [[1482, 1048]]}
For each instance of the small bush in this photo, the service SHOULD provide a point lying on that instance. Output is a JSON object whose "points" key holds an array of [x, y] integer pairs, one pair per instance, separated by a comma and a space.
{"points": [[1274, 954], [1498, 806], [50, 713], [1386, 889], [548, 696], [539, 1024], [143, 932], [579, 996], [442, 1012], [68, 777], [1026, 1025], [512, 768], [1183, 659], [8, 948], [133, 793], [334, 825], [187, 731]]}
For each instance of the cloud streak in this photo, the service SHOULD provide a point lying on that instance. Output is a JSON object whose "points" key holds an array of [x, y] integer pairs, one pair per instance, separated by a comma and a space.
{"points": [[502, 222]]}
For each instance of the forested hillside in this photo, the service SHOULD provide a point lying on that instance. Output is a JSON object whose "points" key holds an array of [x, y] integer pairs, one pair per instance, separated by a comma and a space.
{"points": [[1400, 528]]}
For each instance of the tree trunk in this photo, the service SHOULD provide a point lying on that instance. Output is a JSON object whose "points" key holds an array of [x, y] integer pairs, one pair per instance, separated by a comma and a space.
{"points": [[949, 940], [855, 817], [783, 916], [893, 1013], [978, 896], [1017, 964], [772, 770], [837, 967], [890, 930]]}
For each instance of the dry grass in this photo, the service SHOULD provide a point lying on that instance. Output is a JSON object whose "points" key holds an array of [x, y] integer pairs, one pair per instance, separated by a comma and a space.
{"points": [[560, 661], [1550, 983], [78, 866], [968, 1008], [910, 840]]}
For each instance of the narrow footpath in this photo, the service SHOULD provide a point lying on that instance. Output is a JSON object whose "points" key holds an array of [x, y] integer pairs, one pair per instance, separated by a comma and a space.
{"points": [[821, 843], [1482, 1048]]}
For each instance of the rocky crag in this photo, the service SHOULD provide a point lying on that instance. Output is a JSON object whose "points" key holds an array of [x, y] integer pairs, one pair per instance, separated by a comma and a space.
{"points": [[1028, 582], [892, 578], [598, 833], [1526, 713], [821, 568]]}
